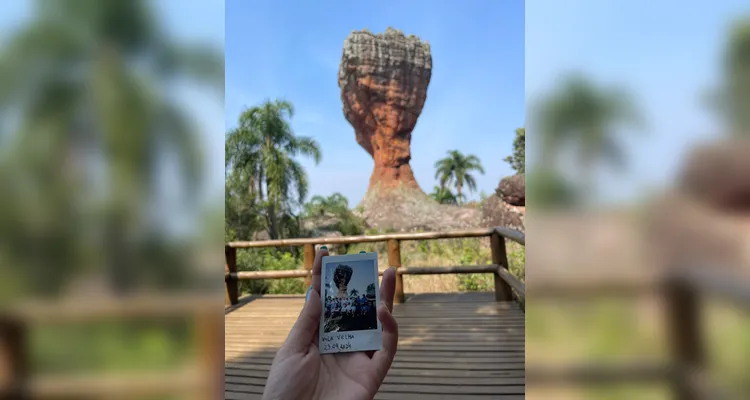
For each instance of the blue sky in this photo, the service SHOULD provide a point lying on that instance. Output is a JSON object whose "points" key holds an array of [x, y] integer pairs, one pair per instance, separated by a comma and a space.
{"points": [[665, 52], [291, 49]]}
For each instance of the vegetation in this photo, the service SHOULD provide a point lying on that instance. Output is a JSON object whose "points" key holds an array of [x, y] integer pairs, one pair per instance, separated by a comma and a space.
{"points": [[336, 206], [583, 117], [456, 170], [443, 195], [82, 116], [260, 161], [732, 99], [89, 116], [517, 160]]}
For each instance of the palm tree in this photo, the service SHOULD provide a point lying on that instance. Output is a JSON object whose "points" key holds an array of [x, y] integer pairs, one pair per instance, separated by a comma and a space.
{"points": [[335, 204], [443, 195], [455, 169], [92, 78], [262, 148], [354, 293], [586, 116]]}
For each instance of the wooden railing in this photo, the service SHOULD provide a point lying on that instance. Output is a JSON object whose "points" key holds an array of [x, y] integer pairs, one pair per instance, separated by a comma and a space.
{"points": [[507, 286], [203, 377], [682, 289]]}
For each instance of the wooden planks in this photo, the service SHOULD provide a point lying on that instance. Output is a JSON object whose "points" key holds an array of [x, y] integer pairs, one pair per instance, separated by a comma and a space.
{"points": [[451, 346]]}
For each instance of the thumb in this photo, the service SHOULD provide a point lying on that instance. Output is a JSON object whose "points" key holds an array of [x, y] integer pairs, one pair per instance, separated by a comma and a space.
{"points": [[303, 332]]}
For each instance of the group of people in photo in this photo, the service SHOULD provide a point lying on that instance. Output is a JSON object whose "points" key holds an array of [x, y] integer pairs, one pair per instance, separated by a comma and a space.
{"points": [[351, 306]]}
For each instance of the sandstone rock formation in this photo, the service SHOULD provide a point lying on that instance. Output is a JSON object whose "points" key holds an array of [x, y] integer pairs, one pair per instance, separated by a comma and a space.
{"points": [[512, 189], [496, 212], [717, 175], [383, 80]]}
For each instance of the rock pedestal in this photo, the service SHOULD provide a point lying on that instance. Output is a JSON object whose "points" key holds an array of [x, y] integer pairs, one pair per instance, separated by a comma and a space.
{"points": [[383, 80]]}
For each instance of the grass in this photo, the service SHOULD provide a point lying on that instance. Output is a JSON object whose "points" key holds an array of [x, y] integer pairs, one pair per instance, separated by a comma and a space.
{"points": [[441, 252], [623, 330]]}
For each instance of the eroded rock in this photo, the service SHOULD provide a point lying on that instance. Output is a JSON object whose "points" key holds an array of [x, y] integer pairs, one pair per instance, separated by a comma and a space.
{"points": [[512, 189], [383, 80]]}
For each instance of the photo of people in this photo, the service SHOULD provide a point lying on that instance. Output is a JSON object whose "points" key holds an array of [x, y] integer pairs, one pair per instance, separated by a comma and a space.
{"points": [[350, 296]]}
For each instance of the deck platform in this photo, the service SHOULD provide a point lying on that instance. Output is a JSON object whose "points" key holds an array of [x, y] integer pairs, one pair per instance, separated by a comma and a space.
{"points": [[451, 346]]}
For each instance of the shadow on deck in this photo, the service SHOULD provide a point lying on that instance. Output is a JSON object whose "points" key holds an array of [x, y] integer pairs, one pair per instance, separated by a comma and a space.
{"points": [[451, 346]]}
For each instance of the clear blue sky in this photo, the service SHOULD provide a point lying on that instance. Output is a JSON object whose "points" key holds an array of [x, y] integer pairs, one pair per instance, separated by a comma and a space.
{"points": [[666, 52], [475, 101]]}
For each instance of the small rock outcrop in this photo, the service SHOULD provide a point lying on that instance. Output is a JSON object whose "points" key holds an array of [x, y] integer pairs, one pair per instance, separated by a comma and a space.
{"points": [[383, 80], [717, 175], [512, 189]]}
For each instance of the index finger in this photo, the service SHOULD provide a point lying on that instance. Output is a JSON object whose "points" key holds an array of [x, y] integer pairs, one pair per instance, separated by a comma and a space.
{"points": [[317, 264]]}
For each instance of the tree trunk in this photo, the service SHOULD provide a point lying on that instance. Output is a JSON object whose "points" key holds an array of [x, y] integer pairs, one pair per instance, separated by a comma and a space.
{"points": [[274, 232], [458, 197]]}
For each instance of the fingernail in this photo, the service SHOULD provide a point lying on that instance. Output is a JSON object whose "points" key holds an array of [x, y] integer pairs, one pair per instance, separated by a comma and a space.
{"points": [[323, 247], [307, 296]]}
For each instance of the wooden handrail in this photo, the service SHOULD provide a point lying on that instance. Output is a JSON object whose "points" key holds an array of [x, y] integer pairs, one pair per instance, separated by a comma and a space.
{"points": [[514, 282], [505, 283], [600, 373], [515, 236], [301, 273], [723, 285], [141, 306]]}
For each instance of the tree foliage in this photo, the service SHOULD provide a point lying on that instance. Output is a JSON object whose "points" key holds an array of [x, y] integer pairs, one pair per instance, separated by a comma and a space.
{"points": [[260, 154], [455, 170], [586, 118], [87, 86], [443, 195], [337, 206], [733, 97], [517, 160]]}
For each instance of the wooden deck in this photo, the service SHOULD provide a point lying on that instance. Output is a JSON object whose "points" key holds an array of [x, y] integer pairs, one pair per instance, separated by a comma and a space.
{"points": [[451, 346]]}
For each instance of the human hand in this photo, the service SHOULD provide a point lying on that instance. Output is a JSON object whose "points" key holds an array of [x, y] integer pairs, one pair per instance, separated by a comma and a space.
{"points": [[299, 371]]}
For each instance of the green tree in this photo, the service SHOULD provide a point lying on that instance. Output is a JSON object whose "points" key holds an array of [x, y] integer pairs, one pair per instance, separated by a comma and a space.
{"points": [[87, 83], [455, 170], [586, 117], [733, 97], [337, 206], [354, 293], [517, 160], [371, 290], [319, 205], [262, 149], [443, 195]]}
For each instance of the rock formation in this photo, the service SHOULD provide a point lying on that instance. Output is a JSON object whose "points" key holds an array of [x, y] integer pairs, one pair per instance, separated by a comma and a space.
{"points": [[512, 189], [383, 80], [716, 174]]}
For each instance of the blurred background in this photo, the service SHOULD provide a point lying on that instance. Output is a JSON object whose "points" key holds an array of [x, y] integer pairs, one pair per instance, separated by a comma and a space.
{"points": [[111, 200], [637, 271]]}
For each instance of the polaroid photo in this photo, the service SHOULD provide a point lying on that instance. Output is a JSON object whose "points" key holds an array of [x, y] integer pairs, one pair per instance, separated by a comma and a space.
{"points": [[350, 297]]}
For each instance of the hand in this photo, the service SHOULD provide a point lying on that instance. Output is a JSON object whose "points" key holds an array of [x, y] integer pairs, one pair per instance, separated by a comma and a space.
{"points": [[299, 371]]}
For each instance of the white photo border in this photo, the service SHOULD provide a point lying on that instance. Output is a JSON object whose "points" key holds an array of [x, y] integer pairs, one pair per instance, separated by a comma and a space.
{"points": [[365, 340]]}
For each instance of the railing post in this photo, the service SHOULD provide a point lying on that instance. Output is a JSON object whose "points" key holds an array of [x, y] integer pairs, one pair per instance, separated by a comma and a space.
{"points": [[309, 254], [209, 326], [13, 367], [684, 329], [230, 267], [394, 260], [500, 257]]}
